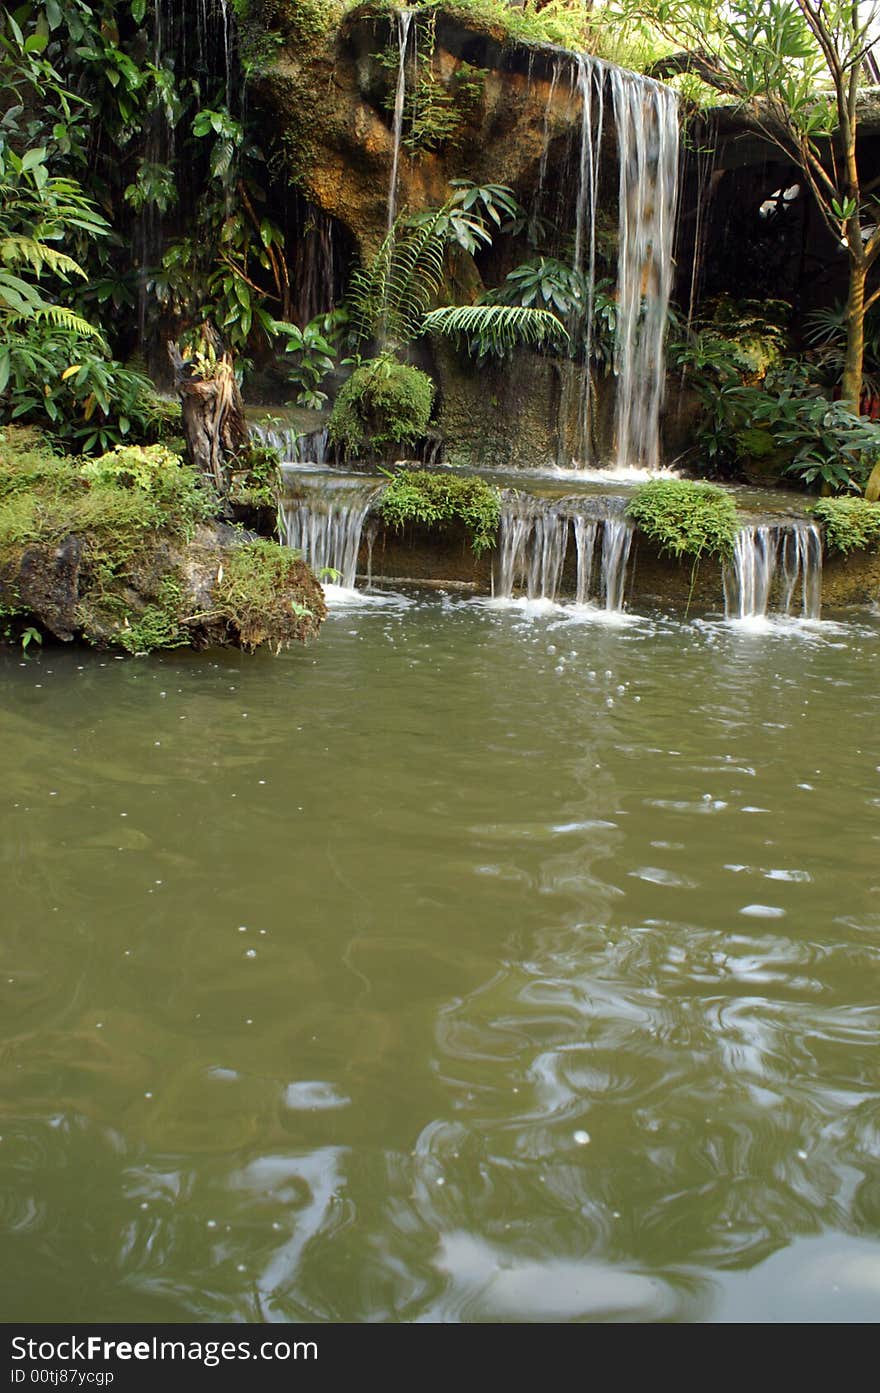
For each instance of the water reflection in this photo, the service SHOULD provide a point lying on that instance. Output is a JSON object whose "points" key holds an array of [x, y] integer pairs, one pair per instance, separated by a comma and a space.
{"points": [[468, 966]]}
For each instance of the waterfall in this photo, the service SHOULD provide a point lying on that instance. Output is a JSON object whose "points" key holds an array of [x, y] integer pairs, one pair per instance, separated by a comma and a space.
{"points": [[776, 568], [646, 119], [646, 122], [591, 86], [404, 20], [324, 523], [534, 543]]}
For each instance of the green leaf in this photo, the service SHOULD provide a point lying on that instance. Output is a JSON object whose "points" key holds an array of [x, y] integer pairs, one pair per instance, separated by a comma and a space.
{"points": [[31, 158]]}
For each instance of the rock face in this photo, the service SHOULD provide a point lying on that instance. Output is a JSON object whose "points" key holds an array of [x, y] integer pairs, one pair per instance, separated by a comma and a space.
{"points": [[485, 109], [172, 594]]}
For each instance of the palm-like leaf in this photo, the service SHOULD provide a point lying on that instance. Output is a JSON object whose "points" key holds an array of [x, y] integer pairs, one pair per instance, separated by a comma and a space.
{"points": [[497, 328]]}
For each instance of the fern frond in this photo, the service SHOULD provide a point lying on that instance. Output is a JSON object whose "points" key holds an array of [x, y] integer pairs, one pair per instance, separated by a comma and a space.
{"points": [[496, 328], [29, 251], [60, 317]]}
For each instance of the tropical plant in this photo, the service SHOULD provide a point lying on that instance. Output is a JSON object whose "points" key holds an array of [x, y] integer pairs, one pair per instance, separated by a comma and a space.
{"points": [[850, 524]]}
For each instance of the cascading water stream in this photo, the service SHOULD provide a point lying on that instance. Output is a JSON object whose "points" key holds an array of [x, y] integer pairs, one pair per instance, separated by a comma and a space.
{"points": [[324, 523], [646, 123], [294, 446], [646, 120], [534, 544], [404, 21], [776, 568]]}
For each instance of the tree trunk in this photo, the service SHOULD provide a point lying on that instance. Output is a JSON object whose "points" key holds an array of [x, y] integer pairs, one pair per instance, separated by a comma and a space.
{"points": [[851, 382], [213, 412]]}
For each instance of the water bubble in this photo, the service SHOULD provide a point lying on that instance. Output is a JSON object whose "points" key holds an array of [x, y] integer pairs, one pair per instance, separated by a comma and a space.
{"points": [[251, 953], [582, 1138]]}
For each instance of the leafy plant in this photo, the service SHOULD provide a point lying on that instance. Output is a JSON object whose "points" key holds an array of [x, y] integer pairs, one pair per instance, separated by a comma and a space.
{"points": [[496, 329], [438, 499], [384, 402], [686, 518], [851, 524]]}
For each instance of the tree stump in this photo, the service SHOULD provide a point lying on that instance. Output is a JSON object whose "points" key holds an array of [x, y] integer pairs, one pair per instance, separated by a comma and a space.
{"points": [[213, 412]]}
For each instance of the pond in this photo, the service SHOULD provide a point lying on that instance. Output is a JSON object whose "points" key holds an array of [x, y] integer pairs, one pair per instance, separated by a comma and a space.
{"points": [[475, 963]]}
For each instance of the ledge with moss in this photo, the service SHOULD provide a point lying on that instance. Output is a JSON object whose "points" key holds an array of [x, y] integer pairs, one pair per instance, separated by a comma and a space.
{"points": [[126, 552]]}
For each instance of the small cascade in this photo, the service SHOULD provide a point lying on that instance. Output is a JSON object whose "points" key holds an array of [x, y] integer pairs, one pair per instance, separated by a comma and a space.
{"points": [[535, 536], [324, 523], [294, 446], [776, 569], [404, 21]]}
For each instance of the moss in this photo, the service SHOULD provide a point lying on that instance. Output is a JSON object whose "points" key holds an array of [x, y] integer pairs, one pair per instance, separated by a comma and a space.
{"points": [[384, 402], [122, 550], [851, 524], [268, 595], [438, 499], [684, 518]]}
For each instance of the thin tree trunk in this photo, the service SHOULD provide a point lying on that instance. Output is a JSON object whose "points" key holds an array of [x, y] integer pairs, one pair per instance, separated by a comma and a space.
{"points": [[213, 413], [851, 382]]}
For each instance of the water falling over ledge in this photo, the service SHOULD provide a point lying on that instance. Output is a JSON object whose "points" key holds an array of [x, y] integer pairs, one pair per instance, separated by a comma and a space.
{"points": [[534, 542], [776, 569], [646, 125]]}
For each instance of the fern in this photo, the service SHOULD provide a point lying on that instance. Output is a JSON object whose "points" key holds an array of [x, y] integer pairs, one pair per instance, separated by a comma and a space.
{"points": [[496, 328], [28, 251]]}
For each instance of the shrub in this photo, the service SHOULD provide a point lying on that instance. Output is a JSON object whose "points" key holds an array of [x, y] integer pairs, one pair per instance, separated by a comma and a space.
{"points": [[384, 402], [850, 524], [439, 499], [685, 518]]}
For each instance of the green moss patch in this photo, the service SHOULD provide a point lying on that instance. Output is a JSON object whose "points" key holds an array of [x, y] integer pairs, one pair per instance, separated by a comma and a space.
{"points": [[124, 551], [384, 402], [268, 595], [851, 524], [685, 518], [437, 500]]}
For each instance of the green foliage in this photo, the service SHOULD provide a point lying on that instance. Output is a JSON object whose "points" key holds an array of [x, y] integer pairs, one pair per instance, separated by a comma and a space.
{"points": [[685, 518], [850, 524], [159, 624], [497, 329], [436, 106], [548, 284], [384, 402], [72, 388], [267, 593], [312, 352], [826, 334], [133, 510], [256, 477], [438, 499]]}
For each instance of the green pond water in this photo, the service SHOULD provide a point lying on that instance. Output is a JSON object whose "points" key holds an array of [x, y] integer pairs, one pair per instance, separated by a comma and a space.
{"points": [[471, 964]]}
